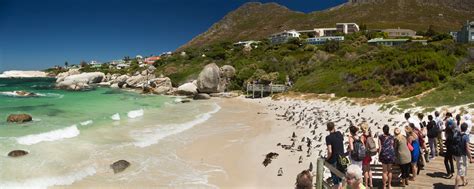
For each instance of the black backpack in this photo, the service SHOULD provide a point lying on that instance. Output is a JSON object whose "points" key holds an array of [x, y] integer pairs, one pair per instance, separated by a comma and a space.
{"points": [[358, 152], [457, 144], [434, 129]]}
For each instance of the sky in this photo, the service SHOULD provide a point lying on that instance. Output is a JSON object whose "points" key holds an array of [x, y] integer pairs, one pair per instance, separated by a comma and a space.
{"points": [[38, 34]]}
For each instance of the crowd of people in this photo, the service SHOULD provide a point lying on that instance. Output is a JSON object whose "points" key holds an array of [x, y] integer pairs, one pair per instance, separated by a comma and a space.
{"points": [[408, 151]]}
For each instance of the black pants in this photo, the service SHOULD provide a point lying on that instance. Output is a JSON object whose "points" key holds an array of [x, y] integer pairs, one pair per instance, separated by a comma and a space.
{"points": [[448, 163], [405, 169]]}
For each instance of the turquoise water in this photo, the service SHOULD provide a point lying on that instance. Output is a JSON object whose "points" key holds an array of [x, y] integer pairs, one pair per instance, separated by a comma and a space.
{"points": [[54, 109]]}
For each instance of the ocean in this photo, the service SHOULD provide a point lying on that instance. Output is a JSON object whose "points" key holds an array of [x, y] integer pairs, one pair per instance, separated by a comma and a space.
{"points": [[75, 136]]}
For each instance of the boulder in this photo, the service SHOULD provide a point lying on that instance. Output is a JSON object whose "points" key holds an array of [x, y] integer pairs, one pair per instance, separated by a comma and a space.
{"points": [[61, 76], [160, 85], [17, 153], [209, 78], [120, 79], [19, 118], [187, 89], [202, 96], [119, 166], [25, 93], [227, 71], [137, 81], [80, 81]]}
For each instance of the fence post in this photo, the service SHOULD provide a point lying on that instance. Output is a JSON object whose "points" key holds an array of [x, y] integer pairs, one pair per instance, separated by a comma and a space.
{"points": [[319, 173]]}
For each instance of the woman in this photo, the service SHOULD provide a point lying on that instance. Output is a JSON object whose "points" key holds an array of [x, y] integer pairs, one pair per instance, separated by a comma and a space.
{"points": [[354, 178], [412, 140], [352, 138], [366, 135], [448, 155], [386, 156], [403, 155], [304, 180]]}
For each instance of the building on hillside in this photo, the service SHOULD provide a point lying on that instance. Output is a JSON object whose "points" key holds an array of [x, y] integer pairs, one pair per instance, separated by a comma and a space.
{"points": [[347, 28], [283, 37], [139, 57], [400, 32], [246, 43], [151, 59], [387, 42], [466, 35], [117, 62], [322, 40], [422, 41], [122, 66], [321, 32]]}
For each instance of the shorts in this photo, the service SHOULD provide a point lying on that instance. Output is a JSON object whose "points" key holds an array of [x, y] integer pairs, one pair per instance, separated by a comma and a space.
{"points": [[461, 165]]}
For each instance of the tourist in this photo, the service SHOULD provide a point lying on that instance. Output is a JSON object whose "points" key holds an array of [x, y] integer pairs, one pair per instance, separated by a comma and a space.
{"points": [[450, 120], [421, 132], [448, 155], [386, 155], [354, 177], [366, 136], [403, 156], [433, 132], [335, 149], [355, 143], [412, 139], [468, 121], [440, 125], [412, 120], [463, 157], [458, 120], [304, 180]]}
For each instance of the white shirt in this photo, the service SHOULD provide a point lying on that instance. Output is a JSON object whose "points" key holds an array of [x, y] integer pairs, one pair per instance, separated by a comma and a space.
{"points": [[415, 122]]}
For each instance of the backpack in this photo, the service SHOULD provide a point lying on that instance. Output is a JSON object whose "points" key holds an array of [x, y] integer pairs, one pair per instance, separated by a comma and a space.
{"points": [[358, 151], [421, 137], [434, 130], [370, 146], [387, 153], [457, 144], [342, 163]]}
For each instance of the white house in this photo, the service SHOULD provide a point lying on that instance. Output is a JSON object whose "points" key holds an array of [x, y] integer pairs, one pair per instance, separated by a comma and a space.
{"points": [[347, 28], [246, 43], [321, 32], [322, 40], [283, 37]]}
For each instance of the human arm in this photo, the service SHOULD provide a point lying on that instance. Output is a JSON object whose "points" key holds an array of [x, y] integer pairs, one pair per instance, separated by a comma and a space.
{"points": [[328, 157]]}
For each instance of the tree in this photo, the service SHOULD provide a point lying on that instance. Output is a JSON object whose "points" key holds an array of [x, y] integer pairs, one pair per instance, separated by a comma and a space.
{"points": [[66, 64], [83, 63], [430, 32], [331, 46]]}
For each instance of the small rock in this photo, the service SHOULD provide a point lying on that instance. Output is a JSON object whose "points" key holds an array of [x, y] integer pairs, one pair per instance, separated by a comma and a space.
{"points": [[120, 166], [201, 96], [17, 153], [19, 118]]}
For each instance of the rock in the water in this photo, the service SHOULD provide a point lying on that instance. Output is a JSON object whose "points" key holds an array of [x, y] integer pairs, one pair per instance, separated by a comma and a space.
{"points": [[137, 81], [160, 85], [20, 118], [61, 76], [24, 93], [209, 79], [17, 153], [187, 89], [202, 96], [80, 81], [120, 166]]}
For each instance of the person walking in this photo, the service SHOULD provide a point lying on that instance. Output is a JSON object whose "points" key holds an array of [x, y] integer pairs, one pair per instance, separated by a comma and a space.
{"points": [[335, 149], [440, 125], [386, 156], [355, 147], [448, 155], [369, 143], [433, 132], [463, 156], [403, 156], [412, 140]]}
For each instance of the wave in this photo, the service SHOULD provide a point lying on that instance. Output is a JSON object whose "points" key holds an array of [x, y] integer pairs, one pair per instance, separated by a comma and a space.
{"points": [[115, 117], [148, 137], [68, 132], [135, 113], [45, 182], [88, 122], [15, 94], [3, 85]]}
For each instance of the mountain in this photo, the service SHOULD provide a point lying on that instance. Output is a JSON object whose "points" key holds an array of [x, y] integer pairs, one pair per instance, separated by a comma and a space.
{"points": [[253, 21]]}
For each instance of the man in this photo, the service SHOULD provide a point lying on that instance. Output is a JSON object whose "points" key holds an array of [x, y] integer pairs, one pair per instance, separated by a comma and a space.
{"points": [[440, 125], [413, 120], [463, 158], [335, 148]]}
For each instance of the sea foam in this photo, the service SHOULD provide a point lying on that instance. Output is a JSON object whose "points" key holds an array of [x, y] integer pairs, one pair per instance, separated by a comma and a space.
{"points": [[88, 122], [148, 137], [135, 113], [45, 182], [68, 132], [115, 117]]}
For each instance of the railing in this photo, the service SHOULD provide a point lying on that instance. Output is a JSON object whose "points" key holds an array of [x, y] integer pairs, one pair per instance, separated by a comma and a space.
{"points": [[265, 88], [320, 183]]}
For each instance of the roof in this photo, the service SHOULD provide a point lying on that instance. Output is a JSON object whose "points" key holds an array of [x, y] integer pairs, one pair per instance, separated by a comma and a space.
{"points": [[398, 30], [375, 40]]}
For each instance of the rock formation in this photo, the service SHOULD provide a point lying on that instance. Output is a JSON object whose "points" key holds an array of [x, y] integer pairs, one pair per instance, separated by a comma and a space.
{"points": [[19, 118], [120, 166], [17, 153]]}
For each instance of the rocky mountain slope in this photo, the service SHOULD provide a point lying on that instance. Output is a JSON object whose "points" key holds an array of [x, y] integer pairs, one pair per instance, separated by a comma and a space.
{"points": [[257, 21]]}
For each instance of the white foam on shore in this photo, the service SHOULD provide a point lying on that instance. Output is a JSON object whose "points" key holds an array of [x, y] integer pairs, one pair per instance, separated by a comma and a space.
{"points": [[14, 94], [68, 132], [88, 122], [115, 117], [135, 113], [45, 182], [148, 137]]}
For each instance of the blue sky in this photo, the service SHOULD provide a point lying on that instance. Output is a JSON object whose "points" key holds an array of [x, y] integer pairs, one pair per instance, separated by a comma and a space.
{"points": [[37, 34]]}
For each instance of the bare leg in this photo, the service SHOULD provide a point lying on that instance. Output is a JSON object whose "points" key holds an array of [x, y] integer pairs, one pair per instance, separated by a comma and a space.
{"points": [[389, 170]]}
